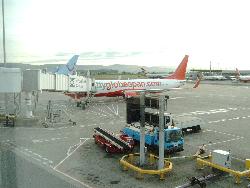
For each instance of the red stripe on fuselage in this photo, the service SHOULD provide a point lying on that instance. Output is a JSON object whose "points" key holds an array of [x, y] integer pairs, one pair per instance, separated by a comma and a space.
{"points": [[110, 94]]}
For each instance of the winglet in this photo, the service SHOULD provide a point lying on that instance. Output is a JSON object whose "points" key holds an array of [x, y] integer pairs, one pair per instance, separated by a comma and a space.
{"points": [[180, 72]]}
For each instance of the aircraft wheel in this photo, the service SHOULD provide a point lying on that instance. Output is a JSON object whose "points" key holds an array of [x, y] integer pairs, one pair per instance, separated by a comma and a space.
{"points": [[203, 185], [45, 125], [107, 149]]}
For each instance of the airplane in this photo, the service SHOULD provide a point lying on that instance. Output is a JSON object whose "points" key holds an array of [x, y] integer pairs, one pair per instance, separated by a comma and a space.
{"points": [[152, 75], [143, 71], [127, 88], [69, 68], [241, 78], [112, 88], [214, 77]]}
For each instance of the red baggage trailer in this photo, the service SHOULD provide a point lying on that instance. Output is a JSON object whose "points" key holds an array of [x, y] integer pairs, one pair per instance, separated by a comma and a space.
{"points": [[111, 142]]}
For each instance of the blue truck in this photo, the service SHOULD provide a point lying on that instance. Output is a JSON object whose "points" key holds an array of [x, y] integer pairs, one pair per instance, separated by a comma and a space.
{"points": [[173, 137]]}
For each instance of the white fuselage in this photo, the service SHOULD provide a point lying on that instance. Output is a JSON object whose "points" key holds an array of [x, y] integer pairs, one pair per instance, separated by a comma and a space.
{"points": [[105, 86], [244, 78], [215, 77]]}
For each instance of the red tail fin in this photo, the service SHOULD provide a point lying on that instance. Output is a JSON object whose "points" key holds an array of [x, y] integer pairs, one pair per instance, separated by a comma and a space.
{"points": [[180, 72]]}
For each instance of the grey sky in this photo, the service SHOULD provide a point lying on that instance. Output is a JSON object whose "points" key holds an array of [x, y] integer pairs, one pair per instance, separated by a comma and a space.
{"points": [[161, 31]]}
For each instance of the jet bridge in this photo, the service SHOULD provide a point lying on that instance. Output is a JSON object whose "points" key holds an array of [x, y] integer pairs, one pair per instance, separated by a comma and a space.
{"points": [[13, 80], [35, 80], [10, 91]]}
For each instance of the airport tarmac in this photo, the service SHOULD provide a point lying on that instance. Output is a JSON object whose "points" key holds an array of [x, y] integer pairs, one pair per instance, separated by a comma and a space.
{"points": [[65, 155]]}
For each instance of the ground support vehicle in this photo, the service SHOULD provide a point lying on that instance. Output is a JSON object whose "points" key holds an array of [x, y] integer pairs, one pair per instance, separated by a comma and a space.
{"points": [[221, 161], [188, 124], [201, 181], [7, 120], [111, 142], [173, 137]]}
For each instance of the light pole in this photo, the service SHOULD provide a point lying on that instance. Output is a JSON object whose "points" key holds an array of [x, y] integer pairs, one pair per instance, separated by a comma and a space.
{"points": [[142, 128], [4, 51], [162, 108], [4, 57]]}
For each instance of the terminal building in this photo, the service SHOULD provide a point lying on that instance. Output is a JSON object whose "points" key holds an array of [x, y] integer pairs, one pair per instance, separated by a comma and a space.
{"points": [[193, 73]]}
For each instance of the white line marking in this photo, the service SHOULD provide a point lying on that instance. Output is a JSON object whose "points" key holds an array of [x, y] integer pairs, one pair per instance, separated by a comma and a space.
{"points": [[223, 120], [223, 141], [213, 111], [104, 112], [228, 134], [81, 143], [113, 109], [103, 115], [28, 153], [47, 140], [86, 138], [177, 98], [109, 108], [117, 107]]}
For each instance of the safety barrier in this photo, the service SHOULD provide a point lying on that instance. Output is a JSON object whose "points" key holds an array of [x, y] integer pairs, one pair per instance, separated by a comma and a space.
{"points": [[127, 162], [201, 162]]}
